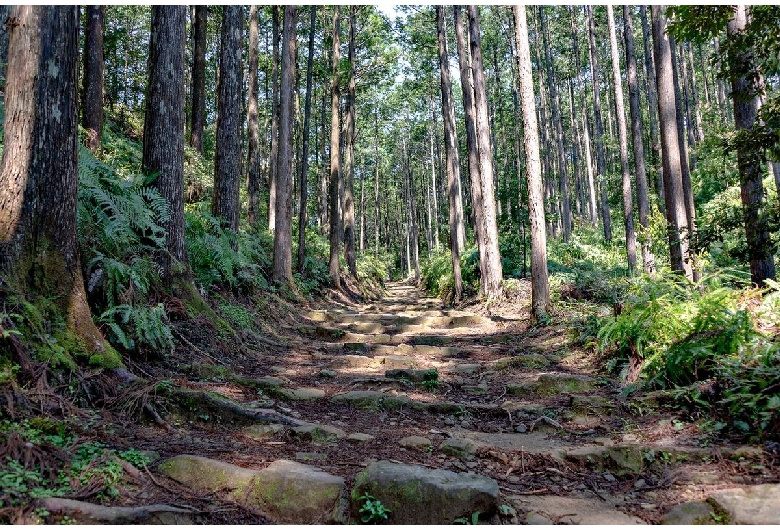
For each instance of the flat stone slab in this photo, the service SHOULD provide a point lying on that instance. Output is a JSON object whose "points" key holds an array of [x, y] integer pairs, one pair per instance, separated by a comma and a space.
{"points": [[749, 505], [466, 368], [287, 492], [419, 495], [415, 376], [689, 513], [359, 437], [630, 458], [418, 443], [531, 360], [553, 383], [395, 362], [532, 443], [362, 399], [351, 361], [568, 510], [261, 431], [318, 433], [464, 448], [301, 394]]}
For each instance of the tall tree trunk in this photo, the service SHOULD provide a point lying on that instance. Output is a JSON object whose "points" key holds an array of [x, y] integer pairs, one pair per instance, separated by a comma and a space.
{"points": [[540, 290], [253, 123], [273, 162], [652, 98], [670, 147], [491, 282], [335, 166], [227, 159], [323, 194], [304, 186], [376, 183], [750, 158], [620, 112], [39, 254], [434, 185], [92, 101], [163, 147], [563, 173], [575, 152], [643, 202], [471, 136], [4, 30], [349, 155], [198, 117], [285, 174], [695, 97], [599, 126]]}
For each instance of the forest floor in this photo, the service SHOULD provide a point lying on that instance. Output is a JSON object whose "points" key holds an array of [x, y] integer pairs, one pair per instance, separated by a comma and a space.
{"points": [[406, 380]]}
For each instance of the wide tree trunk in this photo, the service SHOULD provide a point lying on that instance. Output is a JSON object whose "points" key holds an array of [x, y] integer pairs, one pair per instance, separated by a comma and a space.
{"points": [[227, 158], [643, 201], [304, 179], [92, 100], [273, 162], [335, 162], [540, 290], [163, 148], [676, 216], [457, 232], [253, 123], [750, 158], [39, 255], [285, 176], [198, 117], [349, 155], [491, 282], [620, 111], [598, 132]]}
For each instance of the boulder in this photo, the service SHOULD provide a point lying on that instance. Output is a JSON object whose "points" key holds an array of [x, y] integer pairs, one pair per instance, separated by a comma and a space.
{"points": [[689, 513], [460, 447], [422, 496], [749, 505], [287, 492], [568, 510]]}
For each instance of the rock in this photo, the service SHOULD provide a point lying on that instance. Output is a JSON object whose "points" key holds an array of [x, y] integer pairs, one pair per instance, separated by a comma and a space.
{"points": [[449, 421], [476, 389], [745, 451], [531, 360], [351, 361], [362, 399], [630, 438], [416, 376], [359, 437], [417, 443], [287, 492], [548, 384], [430, 340], [301, 394], [356, 347], [521, 428], [535, 518], [689, 513], [594, 404], [639, 484], [422, 496], [330, 374], [523, 409], [609, 477], [397, 362], [318, 433], [261, 432], [749, 505], [466, 368], [569, 510], [460, 447], [619, 459]]}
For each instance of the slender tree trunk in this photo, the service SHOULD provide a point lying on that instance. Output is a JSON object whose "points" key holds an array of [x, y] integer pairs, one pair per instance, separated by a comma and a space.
{"points": [[695, 97], [39, 254], [335, 166], [563, 173], [92, 114], [376, 184], [4, 30], [349, 156], [540, 291], [274, 157], [575, 153], [471, 137], [598, 125], [163, 147], [227, 159], [491, 283], [670, 147], [750, 159], [652, 97], [285, 174], [253, 122], [323, 195], [434, 187], [304, 179], [620, 112], [198, 117], [643, 202]]}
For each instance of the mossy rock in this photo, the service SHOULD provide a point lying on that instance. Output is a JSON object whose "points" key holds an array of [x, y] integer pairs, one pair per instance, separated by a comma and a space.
{"points": [[318, 433], [531, 360], [361, 399]]}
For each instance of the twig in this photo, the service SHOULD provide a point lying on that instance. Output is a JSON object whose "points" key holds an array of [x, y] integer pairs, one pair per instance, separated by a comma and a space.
{"points": [[527, 492], [191, 345], [157, 419]]}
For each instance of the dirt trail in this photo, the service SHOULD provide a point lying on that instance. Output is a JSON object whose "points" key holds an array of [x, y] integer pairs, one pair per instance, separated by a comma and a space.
{"points": [[409, 381]]}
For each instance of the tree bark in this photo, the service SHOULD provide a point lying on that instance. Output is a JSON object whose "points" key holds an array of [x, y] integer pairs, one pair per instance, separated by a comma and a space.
{"points": [[750, 159], [163, 147], [335, 166], [376, 184], [670, 147], [227, 158], [285, 176], [273, 162], [599, 126], [491, 282], [695, 97], [349, 156], [652, 98], [38, 186], [304, 186], [620, 112], [198, 117], [540, 291], [643, 201], [253, 123], [92, 101]]}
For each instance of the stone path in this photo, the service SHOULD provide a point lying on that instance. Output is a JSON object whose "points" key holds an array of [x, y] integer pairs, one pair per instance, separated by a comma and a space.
{"points": [[440, 414]]}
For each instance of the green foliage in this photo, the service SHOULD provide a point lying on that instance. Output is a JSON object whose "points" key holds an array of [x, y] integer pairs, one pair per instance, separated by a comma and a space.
{"points": [[372, 510], [237, 315], [474, 519], [146, 324], [430, 380]]}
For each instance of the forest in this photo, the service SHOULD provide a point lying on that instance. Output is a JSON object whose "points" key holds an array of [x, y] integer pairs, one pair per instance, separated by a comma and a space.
{"points": [[406, 264]]}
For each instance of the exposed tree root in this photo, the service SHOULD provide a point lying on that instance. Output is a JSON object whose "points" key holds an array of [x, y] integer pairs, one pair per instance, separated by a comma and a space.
{"points": [[85, 512]]}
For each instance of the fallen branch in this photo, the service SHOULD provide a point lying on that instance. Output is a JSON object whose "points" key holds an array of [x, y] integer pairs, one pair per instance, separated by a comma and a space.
{"points": [[191, 345], [225, 406], [107, 514]]}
